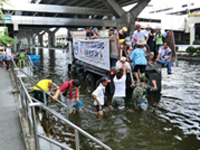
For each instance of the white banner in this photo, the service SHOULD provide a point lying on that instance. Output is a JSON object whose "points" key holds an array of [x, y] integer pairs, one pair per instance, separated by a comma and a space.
{"points": [[94, 52]]}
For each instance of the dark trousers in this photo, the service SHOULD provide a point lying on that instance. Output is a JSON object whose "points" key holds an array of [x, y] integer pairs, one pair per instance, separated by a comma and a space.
{"points": [[36, 94]]}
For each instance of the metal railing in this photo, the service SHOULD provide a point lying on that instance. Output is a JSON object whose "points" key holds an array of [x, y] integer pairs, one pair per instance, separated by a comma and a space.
{"points": [[27, 106]]}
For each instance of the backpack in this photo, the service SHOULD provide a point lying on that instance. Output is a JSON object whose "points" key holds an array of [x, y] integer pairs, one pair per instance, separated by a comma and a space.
{"points": [[67, 89], [138, 93]]}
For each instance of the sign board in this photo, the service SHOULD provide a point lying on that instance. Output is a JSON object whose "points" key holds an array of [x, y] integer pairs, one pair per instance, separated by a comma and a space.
{"points": [[7, 19], [94, 52]]}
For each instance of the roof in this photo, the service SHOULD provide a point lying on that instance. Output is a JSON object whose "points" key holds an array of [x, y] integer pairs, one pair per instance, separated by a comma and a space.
{"points": [[86, 3]]}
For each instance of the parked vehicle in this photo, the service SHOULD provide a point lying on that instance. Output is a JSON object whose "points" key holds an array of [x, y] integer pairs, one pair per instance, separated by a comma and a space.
{"points": [[92, 59]]}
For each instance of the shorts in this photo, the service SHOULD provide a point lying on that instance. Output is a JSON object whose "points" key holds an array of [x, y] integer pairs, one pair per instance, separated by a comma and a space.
{"points": [[99, 108], [71, 104], [118, 102], [142, 68], [141, 105]]}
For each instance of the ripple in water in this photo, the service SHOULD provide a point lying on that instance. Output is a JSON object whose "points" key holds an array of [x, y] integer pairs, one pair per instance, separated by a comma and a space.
{"points": [[171, 122]]}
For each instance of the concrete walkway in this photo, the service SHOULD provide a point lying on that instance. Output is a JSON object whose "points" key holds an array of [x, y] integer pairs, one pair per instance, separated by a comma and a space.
{"points": [[10, 128]]}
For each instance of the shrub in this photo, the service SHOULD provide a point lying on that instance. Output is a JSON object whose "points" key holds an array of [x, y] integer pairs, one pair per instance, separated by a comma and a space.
{"points": [[191, 49], [183, 42], [196, 42], [177, 48], [197, 49]]}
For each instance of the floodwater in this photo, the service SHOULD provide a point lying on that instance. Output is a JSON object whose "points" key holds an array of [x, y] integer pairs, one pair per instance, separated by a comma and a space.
{"points": [[172, 121]]}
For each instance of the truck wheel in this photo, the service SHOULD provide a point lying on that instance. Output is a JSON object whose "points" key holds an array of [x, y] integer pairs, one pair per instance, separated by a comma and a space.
{"points": [[97, 83], [73, 69], [90, 83]]}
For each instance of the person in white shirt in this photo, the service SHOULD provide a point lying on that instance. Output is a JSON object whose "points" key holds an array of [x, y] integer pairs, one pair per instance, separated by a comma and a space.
{"points": [[8, 55], [120, 88], [139, 34], [98, 95]]}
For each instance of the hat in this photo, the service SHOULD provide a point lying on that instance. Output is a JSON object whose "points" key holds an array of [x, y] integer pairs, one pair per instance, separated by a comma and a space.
{"points": [[143, 78], [90, 28], [148, 26], [157, 27], [104, 79], [128, 40], [95, 29], [131, 33], [111, 29], [76, 83], [123, 58], [125, 29], [21, 47], [8, 45], [141, 42], [138, 26]]}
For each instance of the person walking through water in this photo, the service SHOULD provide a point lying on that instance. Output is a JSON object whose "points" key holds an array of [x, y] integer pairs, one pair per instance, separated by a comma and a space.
{"points": [[98, 95], [70, 94], [45, 85], [120, 88], [140, 91]]}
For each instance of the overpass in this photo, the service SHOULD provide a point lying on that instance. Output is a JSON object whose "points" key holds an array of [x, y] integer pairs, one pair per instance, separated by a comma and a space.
{"points": [[71, 14]]}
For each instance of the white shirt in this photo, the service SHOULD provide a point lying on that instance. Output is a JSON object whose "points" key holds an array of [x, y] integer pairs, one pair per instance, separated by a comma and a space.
{"points": [[8, 52], [120, 86], [165, 52], [147, 32], [140, 35], [99, 93]]}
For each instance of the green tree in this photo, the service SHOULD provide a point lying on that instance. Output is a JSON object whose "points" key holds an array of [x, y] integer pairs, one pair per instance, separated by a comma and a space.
{"points": [[1, 12], [5, 39]]}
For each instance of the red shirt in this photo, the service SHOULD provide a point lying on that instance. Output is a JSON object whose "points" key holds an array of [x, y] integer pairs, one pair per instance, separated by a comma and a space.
{"points": [[63, 87]]}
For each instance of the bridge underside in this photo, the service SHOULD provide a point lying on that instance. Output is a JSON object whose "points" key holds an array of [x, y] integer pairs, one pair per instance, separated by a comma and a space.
{"points": [[85, 3]]}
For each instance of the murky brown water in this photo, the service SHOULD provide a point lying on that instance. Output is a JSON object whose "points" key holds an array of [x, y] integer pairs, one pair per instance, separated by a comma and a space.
{"points": [[172, 121]]}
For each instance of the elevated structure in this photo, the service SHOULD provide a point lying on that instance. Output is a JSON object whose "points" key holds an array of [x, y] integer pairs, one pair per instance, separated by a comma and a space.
{"points": [[73, 14]]}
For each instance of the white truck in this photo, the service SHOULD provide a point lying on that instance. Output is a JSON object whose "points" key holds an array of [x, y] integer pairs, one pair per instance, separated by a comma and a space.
{"points": [[92, 59]]}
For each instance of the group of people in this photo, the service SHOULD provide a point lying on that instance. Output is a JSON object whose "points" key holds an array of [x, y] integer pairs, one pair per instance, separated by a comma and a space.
{"points": [[145, 47], [94, 33], [140, 48], [133, 49], [68, 93], [5, 55]]}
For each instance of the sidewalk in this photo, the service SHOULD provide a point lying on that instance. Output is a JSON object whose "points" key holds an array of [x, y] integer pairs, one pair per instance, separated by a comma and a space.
{"points": [[10, 128]]}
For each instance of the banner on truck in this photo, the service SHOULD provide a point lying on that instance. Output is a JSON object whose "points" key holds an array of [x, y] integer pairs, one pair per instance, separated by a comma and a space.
{"points": [[94, 52]]}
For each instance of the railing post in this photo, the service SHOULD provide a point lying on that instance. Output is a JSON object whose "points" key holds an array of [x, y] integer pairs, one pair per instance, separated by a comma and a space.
{"points": [[77, 139], [37, 146]]}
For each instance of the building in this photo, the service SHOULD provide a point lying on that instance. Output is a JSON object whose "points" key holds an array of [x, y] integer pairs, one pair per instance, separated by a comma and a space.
{"points": [[181, 16]]}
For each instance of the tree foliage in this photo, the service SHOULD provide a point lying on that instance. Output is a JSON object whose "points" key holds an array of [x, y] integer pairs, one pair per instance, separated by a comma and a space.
{"points": [[5, 39]]}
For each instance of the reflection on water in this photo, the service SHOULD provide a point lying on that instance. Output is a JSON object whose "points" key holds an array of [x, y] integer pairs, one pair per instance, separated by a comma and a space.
{"points": [[171, 122]]}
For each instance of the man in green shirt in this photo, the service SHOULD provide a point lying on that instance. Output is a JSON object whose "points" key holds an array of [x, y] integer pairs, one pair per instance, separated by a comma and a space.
{"points": [[140, 91]]}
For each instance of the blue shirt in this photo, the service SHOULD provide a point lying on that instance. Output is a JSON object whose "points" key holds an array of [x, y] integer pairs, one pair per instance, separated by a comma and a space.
{"points": [[138, 58]]}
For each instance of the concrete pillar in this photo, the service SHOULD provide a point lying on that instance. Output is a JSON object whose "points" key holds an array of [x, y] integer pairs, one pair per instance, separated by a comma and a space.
{"points": [[32, 40], [29, 40], [52, 37], [136, 10], [192, 33], [40, 39], [125, 19], [15, 45]]}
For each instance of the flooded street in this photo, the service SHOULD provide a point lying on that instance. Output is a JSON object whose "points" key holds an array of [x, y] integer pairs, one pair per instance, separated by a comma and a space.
{"points": [[172, 121]]}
